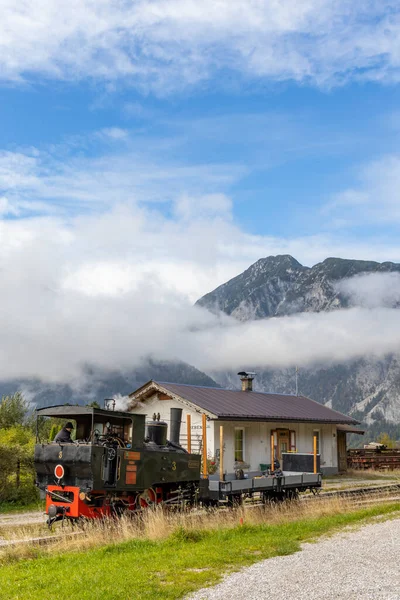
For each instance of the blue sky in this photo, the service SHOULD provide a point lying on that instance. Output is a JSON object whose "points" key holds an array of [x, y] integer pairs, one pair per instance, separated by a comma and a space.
{"points": [[167, 144], [281, 152]]}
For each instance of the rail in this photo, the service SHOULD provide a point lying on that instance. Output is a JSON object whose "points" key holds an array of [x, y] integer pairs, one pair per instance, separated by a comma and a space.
{"points": [[385, 493]]}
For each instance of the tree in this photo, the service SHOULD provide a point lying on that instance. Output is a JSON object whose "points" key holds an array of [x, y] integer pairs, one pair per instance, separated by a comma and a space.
{"points": [[386, 440], [16, 465], [13, 411], [94, 404], [53, 431]]}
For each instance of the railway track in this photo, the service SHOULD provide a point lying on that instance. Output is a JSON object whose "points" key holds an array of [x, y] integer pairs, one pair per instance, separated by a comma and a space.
{"points": [[357, 496], [38, 541], [370, 491], [362, 496]]}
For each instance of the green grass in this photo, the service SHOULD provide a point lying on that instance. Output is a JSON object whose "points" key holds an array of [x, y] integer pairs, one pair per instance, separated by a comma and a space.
{"points": [[13, 507], [167, 569]]}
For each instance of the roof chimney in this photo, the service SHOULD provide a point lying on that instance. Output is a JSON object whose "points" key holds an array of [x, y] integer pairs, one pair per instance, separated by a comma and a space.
{"points": [[247, 380]]}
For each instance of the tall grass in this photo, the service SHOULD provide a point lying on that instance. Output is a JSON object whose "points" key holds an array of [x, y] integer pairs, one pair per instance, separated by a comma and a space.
{"points": [[158, 525]]}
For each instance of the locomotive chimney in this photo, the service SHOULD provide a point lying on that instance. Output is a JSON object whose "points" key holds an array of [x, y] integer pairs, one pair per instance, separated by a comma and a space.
{"points": [[176, 417], [247, 380]]}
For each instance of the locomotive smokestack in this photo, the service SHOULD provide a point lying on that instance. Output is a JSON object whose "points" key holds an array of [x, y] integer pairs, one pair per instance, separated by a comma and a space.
{"points": [[176, 417], [247, 380]]}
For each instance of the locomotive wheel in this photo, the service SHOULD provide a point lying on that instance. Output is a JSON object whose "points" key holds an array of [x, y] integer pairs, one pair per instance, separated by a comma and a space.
{"points": [[147, 499]]}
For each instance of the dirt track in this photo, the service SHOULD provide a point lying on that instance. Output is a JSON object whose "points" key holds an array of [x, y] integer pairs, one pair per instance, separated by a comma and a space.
{"points": [[23, 518]]}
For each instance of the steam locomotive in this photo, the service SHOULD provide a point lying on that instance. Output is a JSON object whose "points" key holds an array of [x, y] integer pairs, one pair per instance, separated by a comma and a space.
{"points": [[114, 466]]}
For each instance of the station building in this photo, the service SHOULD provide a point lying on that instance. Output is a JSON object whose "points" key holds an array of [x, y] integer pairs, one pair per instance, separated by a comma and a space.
{"points": [[249, 419]]}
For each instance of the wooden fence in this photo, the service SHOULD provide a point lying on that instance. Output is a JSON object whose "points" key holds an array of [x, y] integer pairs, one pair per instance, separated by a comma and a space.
{"points": [[366, 458]]}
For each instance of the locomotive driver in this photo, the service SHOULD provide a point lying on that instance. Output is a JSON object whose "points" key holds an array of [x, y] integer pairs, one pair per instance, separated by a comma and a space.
{"points": [[64, 436]]}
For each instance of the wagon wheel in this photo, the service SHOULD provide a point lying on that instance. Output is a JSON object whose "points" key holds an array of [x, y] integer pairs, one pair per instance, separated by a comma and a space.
{"points": [[147, 499]]}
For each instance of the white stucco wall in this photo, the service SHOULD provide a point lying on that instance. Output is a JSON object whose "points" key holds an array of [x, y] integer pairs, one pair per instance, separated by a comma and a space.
{"points": [[154, 405], [257, 436], [256, 439]]}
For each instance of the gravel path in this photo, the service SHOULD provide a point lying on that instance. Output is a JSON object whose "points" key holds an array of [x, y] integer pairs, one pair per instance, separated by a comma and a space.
{"points": [[26, 518], [353, 565]]}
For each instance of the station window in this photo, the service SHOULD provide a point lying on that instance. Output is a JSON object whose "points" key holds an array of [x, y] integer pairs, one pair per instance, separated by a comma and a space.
{"points": [[239, 444]]}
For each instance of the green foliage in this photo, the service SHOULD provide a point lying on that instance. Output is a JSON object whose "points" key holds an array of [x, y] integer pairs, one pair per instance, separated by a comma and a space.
{"points": [[13, 411], [17, 441], [94, 404], [48, 428], [168, 569], [386, 440], [17, 476], [374, 430], [53, 431]]}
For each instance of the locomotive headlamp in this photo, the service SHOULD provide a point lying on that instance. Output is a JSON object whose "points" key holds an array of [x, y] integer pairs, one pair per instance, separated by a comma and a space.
{"points": [[59, 471], [82, 496]]}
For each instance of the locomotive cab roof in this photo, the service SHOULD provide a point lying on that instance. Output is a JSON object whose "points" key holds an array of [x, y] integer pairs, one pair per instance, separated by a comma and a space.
{"points": [[76, 412], [94, 425]]}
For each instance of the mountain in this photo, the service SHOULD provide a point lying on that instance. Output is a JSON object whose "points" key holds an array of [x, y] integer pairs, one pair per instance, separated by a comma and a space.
{"points": [[368, 389], [275, 286], [280, 285], [96, 384]]}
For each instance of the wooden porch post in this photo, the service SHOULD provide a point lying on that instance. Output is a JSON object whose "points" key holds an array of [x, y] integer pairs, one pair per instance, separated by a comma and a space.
{"points": [[221, 452], [315, 453], [204, 422], [272, 452], [189, 432]]}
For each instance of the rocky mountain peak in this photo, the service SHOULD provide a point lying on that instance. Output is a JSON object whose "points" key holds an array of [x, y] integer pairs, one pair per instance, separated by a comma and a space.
{"points": [[278, 264], [342, 268], [280, 285]]}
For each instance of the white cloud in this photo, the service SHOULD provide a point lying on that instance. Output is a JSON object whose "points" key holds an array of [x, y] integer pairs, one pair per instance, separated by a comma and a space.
{"points": [[117, 282], [60, 181], [373, 290], [167, 45], [304, 340], [113, 288], [188, 208], [115, 133], [375, 200]]}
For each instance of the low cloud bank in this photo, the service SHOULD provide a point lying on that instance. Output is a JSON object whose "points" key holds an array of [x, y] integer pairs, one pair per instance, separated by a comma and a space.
{"points": [[373, 290], [113, 290]]}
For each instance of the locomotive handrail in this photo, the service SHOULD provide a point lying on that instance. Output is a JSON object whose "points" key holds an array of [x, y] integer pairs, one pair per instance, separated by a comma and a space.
{"points": [[61, 498]]}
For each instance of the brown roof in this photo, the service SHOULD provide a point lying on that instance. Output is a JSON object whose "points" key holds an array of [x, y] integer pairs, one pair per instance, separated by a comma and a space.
{"points": [[350, 429], [231, 404]]}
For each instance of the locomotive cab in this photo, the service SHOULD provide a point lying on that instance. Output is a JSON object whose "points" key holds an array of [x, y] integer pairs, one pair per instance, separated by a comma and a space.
{"points": [[68, 472]]}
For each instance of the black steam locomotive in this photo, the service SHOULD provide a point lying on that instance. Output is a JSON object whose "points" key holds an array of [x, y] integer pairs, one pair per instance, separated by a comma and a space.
{"points": [[112, 466]]}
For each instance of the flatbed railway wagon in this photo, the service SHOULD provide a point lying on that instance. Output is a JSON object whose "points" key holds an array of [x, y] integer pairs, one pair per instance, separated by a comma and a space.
{"points": [[114, 466]]}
